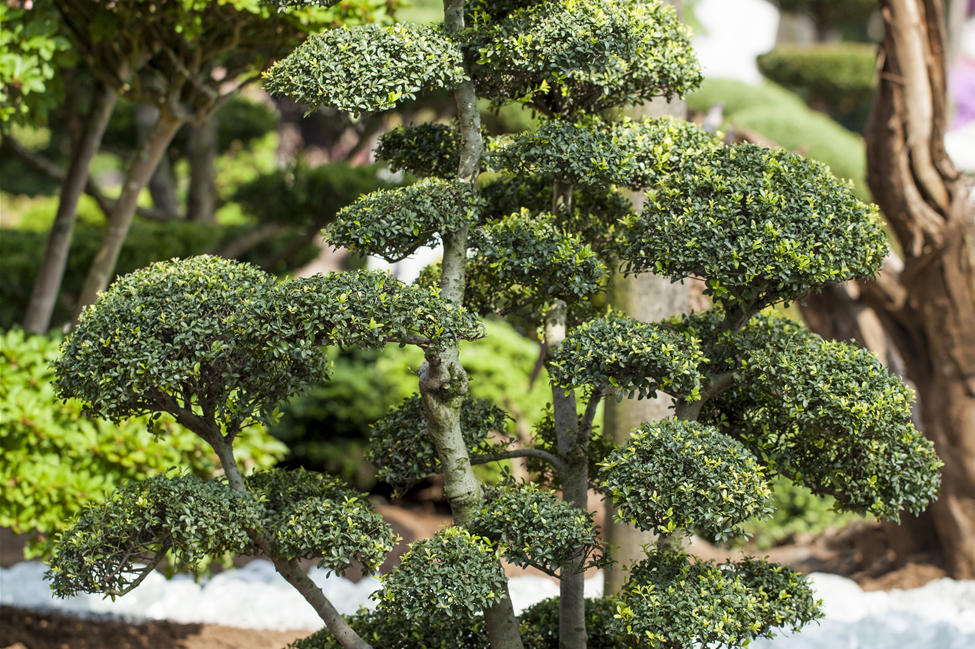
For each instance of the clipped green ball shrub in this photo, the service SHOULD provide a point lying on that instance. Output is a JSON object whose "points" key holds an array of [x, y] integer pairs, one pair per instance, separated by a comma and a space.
{"points": [[677, 475]]}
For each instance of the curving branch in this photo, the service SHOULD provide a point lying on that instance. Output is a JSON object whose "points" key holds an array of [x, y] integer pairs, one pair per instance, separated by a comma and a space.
{"points": [[536, 453]]}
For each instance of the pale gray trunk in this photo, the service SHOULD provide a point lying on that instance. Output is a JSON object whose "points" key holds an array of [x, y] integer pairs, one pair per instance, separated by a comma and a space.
{"points": [[648, 298], [201, 151], [117, 225], [48, 282], [443, 381]]}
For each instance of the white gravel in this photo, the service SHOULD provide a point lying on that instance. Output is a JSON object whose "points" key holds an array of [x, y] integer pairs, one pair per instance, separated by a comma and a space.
{"points": [[940, 615]]}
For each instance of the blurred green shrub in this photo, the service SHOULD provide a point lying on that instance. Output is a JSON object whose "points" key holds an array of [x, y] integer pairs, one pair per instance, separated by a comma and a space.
{"points": [[56, 460], [783, 117], [327, 428], [22, 251], [797, 512], [836, 78]]}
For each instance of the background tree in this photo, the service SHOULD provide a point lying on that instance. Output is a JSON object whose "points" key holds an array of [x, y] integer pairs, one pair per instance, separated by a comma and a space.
{"points": [[927, 303]]}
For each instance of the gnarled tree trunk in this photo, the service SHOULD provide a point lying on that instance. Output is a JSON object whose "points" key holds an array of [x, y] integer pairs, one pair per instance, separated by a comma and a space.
{"points": [[928, 306]]}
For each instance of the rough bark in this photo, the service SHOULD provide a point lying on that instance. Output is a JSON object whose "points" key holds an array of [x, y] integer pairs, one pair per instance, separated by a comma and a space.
{"points": [[48, 283], [117, 225], [202, 153], [928, 307]]}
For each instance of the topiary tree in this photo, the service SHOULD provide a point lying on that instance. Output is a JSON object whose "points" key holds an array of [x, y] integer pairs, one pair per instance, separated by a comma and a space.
{"points": [[218, 345]]}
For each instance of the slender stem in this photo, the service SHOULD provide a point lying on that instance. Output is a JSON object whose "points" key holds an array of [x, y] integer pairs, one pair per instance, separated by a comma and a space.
{"points": [[537, 453], [290, 569], [117, 227]]}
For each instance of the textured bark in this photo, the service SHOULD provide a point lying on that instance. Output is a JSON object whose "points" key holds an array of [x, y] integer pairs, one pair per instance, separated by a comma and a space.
{"points": [[117, 225], [202, 153], [48, 282], [928, 306]]}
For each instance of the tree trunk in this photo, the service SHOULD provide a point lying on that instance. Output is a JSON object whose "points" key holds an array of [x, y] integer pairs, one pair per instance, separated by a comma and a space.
{"points": [[443, 381], [202, 153], [117, 226], [162, 185], [48, 282], [928, 308], [648, 298]]}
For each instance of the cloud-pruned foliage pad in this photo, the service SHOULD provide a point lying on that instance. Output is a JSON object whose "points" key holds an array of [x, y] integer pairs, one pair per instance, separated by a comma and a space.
{"points": [[532, 527], [140, 522], [367, 68], [455, 574], [671, 603], [674, 475], [540, 624], [631, 357], [368, 309], [395, 223], [312, 515], [568, 56], [404, 453], [429, 149], [574, 153], [660, 147], [190, 329], [391, 631], [524, 259], [829, 416], [594, 216], [762, 225]]}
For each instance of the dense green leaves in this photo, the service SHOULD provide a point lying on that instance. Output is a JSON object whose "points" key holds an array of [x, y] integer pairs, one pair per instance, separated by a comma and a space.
{"points": [[220, 344], [390, 630], [453, 575], [404, 453], [629, 357], [524, 260], [569, 56], [367, 68], [393, 224], [760, 225], [56, 460], [572, 153], [195, 330], [534, 528], [540, 625], [671, 603], [429, 149], [681, 475], [193, 519], [312, 515], [368, 309], [829, 416]]}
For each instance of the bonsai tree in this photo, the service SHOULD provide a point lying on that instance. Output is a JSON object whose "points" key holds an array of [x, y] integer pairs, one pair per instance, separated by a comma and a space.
{"points": [[218, 344]]}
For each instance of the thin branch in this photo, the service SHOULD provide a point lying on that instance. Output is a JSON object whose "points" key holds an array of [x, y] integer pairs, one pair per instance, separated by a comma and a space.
{"points": [[536, 453], [145, 573], [585, 429]]}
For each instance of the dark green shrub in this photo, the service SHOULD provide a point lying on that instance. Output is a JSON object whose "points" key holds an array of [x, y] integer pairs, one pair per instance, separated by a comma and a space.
{"points": [[836, 78]]}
